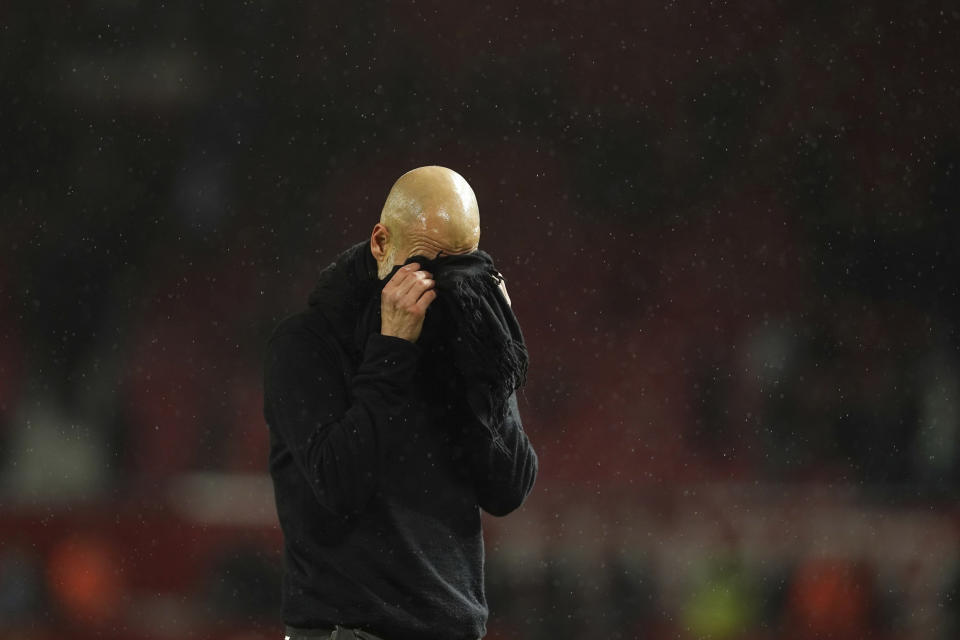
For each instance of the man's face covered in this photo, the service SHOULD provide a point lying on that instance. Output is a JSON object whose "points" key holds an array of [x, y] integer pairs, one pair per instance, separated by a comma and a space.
{"points": [[471, 342]]}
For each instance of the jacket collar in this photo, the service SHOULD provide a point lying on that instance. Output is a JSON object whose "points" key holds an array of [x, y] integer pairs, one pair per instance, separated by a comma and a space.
{"points": [[343, 289]]}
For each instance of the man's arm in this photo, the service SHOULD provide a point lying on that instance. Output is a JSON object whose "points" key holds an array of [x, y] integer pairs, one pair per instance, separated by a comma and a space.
{"points": [[502, 479], [338, 436], [337, 433]]}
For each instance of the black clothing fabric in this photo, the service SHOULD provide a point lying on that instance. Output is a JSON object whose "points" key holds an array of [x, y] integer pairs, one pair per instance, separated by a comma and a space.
{"points": [[339, 633], [293, 633], [379, 471], [472, 342]]}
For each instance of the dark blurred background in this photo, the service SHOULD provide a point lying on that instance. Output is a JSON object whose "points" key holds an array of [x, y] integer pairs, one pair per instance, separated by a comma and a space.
{"points": [[729, 231]]}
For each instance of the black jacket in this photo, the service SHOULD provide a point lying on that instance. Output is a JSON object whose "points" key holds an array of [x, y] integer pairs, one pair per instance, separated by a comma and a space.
{"points": [[378, 485]]}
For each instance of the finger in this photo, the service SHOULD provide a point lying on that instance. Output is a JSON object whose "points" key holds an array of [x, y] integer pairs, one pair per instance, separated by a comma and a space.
{"points": [[395, 287], [503, 289], [415, 291], [408, 285], [390, 288], [428, 296], [401, 274]]}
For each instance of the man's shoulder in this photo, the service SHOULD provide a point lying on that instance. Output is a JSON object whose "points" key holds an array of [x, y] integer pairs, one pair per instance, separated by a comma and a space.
{"points": [[302, 339], [305, 325]]}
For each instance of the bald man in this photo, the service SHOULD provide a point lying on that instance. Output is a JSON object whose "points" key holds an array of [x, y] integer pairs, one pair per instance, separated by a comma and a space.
{"points": [[393, 422]]}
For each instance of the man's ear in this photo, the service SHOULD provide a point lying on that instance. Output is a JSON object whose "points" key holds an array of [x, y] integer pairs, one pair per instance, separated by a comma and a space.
{"points": [[379, 239]]}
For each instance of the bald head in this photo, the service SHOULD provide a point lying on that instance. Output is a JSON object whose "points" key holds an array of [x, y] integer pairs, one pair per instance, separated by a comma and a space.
{"points": [[428, 210]]}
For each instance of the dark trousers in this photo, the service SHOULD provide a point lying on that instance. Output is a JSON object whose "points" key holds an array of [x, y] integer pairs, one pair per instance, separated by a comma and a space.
{"points": [[337, 633]]}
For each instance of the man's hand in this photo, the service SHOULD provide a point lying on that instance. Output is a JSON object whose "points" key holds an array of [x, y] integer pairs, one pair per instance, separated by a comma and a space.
{"points": [[404, 302], [503, 289]]}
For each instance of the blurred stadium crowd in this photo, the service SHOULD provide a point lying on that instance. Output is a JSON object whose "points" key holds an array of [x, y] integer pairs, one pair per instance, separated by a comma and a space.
{"points": [[729, 232]]}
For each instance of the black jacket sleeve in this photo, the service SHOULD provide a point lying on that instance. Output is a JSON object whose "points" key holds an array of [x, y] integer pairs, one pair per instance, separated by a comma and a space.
{"points": [[502, 479], [336, 432]]}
